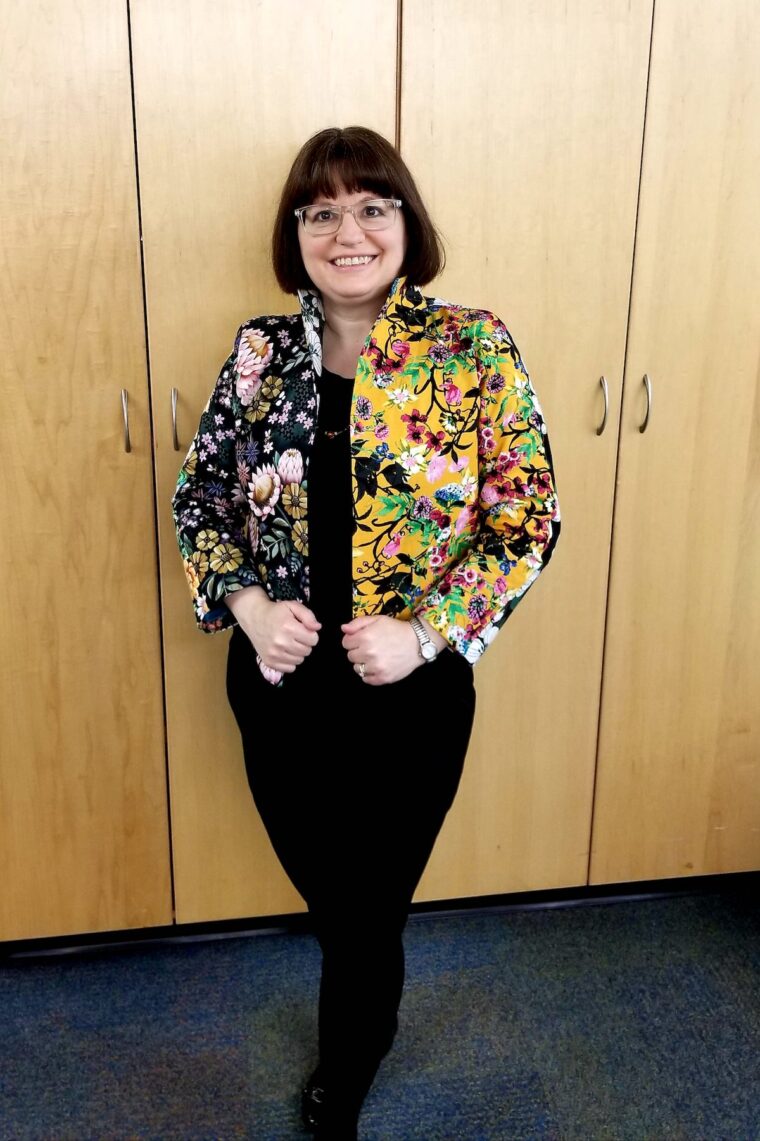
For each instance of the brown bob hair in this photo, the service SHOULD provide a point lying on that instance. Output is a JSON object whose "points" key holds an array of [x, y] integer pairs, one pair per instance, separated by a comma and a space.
{"points": [[356, 158]]}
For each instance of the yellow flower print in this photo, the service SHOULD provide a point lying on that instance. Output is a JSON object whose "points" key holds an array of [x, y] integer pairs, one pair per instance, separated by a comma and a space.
{"points": [[192, 575], [206, 540], [200, 562], [191, 462], [225, 558], [263, 398], [294, 501], [258, 407], [301, 537], [272, 387]]}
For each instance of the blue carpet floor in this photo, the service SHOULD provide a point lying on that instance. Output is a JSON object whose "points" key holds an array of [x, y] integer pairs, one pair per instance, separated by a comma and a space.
{"points": [[634, 1020]]}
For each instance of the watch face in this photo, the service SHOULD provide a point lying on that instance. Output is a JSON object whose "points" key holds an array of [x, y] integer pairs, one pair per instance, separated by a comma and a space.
{"points": [[429, 652]]}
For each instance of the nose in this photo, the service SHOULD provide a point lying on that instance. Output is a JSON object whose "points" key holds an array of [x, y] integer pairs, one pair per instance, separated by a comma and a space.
{"points": [[349, 230]]}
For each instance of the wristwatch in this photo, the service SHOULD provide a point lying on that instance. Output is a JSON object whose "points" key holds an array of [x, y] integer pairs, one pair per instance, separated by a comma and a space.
{"points": [[428, 648]]}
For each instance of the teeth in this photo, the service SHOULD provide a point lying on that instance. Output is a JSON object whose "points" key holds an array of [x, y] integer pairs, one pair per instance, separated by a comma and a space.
{"points": [[354, 261]]}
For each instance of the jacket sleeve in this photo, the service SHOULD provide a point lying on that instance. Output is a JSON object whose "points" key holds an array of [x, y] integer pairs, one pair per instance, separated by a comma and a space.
{"points": [[211, 513], [517, 521]]}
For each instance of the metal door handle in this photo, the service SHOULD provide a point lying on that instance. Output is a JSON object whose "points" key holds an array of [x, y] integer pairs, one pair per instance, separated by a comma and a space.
{"points": [[648, 386], [605, 390], [125, 414], [175, 438]]}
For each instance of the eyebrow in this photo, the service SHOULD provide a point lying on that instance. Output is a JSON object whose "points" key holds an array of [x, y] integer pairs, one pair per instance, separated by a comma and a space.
{"points": [[324, 201]]}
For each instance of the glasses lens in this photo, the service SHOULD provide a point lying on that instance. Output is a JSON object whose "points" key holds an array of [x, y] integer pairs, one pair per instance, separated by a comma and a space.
{"points": [[321, 219], [376, 215]]}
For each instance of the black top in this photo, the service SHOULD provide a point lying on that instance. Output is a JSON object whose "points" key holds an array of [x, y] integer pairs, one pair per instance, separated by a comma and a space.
{"points": [[330, 509]]}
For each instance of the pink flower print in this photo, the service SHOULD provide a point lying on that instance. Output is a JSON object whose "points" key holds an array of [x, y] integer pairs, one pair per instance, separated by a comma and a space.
{"points": [[435, 558], [254, 354], [452, 393], [508, 460], [393, 544], [463, 519], [486, 441], [461, 462], [401, 349], [382, 431], [477, 608], [436, 468], [290, 467], [490, 493], [247, 387], [470, 576], [363, 408], [500, 585], [439, 353], [264, 490]]}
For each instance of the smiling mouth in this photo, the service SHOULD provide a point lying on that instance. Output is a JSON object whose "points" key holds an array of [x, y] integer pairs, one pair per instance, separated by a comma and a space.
{"points": [[363, 259]]}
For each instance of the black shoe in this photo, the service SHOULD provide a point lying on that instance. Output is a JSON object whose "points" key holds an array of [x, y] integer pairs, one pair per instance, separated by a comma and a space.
{"points": [[322, 1116], [312, 1102]]}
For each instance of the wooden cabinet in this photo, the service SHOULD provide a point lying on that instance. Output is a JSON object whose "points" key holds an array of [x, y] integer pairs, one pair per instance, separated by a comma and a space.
{"points": [[605, 203], [221, 108], [678, 773], [84, 842], [520, 159], [593, 168]]}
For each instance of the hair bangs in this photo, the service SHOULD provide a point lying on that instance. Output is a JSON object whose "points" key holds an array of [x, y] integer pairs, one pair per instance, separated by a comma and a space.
{"points": [[351, 168]]}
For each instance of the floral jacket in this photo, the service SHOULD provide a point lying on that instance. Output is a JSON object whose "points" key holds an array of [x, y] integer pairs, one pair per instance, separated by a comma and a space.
{"points": [[455, 507]]}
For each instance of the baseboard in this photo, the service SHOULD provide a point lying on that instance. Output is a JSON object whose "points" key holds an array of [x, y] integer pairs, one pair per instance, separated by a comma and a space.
{"points": [[730, 883]]}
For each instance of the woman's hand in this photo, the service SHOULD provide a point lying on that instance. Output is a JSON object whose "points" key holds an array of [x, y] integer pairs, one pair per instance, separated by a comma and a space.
{"points": [[282, 633], [387, 647]]}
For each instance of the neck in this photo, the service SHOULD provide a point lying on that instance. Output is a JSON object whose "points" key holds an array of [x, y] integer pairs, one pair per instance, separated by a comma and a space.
{"points": [[349, 323]]}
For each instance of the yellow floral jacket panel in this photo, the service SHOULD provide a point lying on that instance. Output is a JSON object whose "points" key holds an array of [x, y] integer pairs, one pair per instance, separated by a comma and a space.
{"points": [[455, 504]]}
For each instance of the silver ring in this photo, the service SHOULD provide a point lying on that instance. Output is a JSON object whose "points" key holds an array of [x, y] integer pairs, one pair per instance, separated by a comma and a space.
{"points": [[360, 670]]}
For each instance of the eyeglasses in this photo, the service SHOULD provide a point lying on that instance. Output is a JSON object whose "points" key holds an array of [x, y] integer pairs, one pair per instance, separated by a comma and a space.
{"points": [[376, 214]]}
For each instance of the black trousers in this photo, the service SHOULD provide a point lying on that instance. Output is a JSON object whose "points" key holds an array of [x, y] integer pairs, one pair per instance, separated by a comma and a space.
{"points": [[353, 783]]}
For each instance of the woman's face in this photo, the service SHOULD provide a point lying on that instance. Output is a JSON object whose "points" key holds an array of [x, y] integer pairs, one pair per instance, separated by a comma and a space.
{"points": [[327, 258]]}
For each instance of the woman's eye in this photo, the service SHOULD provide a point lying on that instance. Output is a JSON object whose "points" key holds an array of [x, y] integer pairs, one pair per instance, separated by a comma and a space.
{"points": [[318, 215], [374, 210]]}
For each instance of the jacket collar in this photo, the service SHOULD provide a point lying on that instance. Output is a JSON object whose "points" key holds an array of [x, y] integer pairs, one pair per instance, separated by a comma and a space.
{"points": [[402, 299]]}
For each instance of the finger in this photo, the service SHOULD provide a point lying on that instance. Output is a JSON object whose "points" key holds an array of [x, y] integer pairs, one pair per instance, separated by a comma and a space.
{"points": [[305, 616], [286, 650], [359, 623], [304, 638]]}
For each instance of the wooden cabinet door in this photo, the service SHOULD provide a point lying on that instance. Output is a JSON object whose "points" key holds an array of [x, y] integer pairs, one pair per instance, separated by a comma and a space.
{"points": [[678, 786], [83, 813], [225, 95], [524, 124]]}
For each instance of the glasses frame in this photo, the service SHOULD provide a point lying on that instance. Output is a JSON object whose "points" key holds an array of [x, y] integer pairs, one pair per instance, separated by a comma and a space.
{"points": [[395, 202]]}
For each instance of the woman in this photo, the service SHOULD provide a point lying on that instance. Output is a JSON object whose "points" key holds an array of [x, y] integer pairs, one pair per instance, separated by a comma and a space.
{"points": [[369, 495]]}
